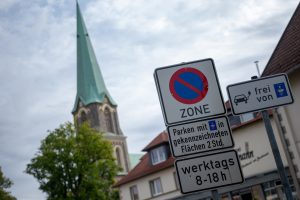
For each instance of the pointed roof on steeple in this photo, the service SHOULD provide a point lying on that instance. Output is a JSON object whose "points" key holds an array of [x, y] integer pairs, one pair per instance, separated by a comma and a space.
{"points": [[90, 84]]}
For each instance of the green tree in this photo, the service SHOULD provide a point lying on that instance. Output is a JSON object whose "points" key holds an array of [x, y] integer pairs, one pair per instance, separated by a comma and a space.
{"points": [[5, 183], [75, 164]]}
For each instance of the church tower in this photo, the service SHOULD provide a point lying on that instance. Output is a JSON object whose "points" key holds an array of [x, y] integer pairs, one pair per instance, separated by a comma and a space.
{"points": [[93, 102]]}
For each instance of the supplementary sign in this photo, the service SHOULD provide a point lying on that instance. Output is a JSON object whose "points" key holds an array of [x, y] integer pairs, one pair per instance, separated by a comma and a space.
{"points": [[208, 172], [200, 136], [259, 94], [189, 91]]}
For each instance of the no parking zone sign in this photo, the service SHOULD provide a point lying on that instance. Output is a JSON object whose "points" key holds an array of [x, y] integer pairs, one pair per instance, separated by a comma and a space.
{"points": [[189, 91]]}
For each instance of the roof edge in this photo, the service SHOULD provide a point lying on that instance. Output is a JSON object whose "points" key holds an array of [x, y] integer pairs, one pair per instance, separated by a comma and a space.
{"points": [[279, 42], [90, 101], [119, 183]]}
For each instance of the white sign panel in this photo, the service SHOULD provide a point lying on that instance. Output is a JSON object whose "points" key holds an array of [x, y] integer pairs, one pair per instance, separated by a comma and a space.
{"points": [[189, 91], [208, 172], [200, 136], [259, 94]]}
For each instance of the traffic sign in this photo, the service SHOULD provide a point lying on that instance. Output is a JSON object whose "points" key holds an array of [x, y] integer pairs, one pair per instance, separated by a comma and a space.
{"points": [[208, 172], [259, 94], [200, 136], [188, 85], [189, 91]]}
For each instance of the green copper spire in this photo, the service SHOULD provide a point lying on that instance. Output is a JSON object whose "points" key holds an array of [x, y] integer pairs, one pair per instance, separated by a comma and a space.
{"points": [[90, 84]]}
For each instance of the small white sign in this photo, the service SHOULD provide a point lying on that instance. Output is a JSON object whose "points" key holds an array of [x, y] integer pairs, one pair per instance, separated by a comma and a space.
{"points": [[189, 91], [200, 136], [208, 172], [259, 94]]}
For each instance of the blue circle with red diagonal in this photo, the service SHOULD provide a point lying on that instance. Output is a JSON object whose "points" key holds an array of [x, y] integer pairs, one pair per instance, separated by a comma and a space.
{"points": [[188, 85]]}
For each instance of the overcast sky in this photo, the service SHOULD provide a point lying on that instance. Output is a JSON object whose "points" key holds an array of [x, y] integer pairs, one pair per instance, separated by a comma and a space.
{"points": [[131, 38]]}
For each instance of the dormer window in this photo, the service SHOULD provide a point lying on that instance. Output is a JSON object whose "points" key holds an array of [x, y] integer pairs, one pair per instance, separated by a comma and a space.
{"points": [[158, 155]]}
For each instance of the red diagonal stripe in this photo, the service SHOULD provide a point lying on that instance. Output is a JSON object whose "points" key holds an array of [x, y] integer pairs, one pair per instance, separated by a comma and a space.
{"points": [[188, 85]]}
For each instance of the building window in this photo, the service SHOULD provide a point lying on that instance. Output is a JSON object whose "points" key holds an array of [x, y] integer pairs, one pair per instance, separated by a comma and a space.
{"points": [[234, 120], [118, 155], [116, 121], [108, 120], [291, 155], [83, 117], [296, 168], [246, 117], [287, 141], [156, 187], [158, 155], [279, 117], [273, 189], [283, 129], [134, 193]]}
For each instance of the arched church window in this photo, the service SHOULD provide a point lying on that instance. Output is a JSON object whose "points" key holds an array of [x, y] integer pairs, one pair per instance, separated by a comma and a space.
{"points": [[108, 120], [118, 155], [83, 117], [116, 121]]}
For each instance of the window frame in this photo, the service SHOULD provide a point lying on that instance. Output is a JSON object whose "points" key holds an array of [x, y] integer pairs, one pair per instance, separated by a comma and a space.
{"points": [[158, 155], [246, 117], [108, 120], [83, 117], [156, 187], [133, 195], [119, 156]]}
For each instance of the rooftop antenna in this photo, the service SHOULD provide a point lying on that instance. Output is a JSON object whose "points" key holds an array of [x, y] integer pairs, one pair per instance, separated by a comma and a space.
{"points": [[257, 67]]}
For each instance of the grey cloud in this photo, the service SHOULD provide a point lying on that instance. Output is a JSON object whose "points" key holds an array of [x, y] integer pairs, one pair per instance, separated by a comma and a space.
{"points": [[266, 28], [131, 39]]}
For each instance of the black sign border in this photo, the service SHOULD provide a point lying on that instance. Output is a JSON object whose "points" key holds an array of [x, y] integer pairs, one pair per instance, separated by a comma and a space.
{"points": [[230, 132], [189, 158], [161, 99], [266, 77]]}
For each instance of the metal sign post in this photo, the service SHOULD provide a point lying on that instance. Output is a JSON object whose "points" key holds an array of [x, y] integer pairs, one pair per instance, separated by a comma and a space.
{"points": [[190, 96], [215, 194], [275, 150], [260, 94]]}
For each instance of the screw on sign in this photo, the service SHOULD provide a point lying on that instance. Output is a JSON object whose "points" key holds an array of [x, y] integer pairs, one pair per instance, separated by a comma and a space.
{"points": [[188, 85]]}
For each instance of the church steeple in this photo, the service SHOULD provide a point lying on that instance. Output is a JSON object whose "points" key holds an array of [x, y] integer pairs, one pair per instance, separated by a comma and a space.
{"points": [[93, 102], [90, 84]]}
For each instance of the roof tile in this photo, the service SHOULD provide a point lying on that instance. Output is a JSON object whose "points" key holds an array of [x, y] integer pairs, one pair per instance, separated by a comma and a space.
{"points": [[144, 167], [286, 55], [161, 138]]}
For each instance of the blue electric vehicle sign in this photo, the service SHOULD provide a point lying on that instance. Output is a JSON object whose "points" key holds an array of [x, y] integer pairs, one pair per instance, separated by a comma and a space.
{"points": [[260, 94]]}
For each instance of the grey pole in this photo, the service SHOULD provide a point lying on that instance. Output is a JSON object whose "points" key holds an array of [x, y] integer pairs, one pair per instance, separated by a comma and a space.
{"points": [[257, 67], [275, 150], [286, 152], [283, 177], [215, 194]]}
